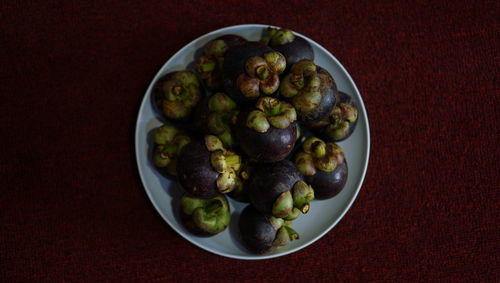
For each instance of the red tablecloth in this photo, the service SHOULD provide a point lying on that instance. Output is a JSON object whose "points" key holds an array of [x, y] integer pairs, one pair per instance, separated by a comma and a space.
{"points": [[72, 76]]}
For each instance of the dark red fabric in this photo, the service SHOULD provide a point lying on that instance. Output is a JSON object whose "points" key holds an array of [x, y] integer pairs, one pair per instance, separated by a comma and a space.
{"points": [[72, 76]]}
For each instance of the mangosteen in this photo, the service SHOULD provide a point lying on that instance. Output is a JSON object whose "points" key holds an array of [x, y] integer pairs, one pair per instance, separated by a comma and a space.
{"points": [[293, 47], [209, 66], [324, 167], [169, 142], [340, 123], [261, 233], [206, 169], [215, 115], [278, 189], [251, 70], [205, 217], [311, 90], [176, 94], [269, 132]]}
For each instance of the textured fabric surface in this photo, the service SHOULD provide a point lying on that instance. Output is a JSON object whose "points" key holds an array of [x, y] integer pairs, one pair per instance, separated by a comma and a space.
{"points": [[72, 76]]}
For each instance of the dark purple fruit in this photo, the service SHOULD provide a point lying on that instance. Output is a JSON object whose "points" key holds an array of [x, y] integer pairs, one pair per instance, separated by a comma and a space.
{"points": [[209, 66], [267, 133], [329, 184], [262, 234], [216, 115], [206, 169], [340, 123], [205, 217], [311, 90], [251, 70], [293, 47], [278, 189], [175, 95], [324, 167], [169, 142]]}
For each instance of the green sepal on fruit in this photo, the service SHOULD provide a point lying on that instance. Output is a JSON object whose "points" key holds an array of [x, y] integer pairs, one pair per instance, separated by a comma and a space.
{"points": [[271, 112], [318, 155], [261, 74], [222, 114], [177, 94], [226, 162], [205, 216], [169, 142], [324, 166]]}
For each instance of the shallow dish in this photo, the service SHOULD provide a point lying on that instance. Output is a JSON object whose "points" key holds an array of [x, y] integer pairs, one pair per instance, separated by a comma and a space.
{"points": [[323, 215]]}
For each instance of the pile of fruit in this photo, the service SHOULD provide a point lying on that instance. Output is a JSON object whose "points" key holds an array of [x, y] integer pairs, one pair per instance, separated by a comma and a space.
{"points": [[256, 122]]}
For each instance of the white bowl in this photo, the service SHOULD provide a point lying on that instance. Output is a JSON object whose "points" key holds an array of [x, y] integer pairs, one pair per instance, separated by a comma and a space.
{"points": [[323, 215]]}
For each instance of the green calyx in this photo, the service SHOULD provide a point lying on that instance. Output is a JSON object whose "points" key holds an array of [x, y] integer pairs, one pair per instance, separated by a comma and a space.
{"points": [[209, 65], [290, 204], [302, 85], [216, 48], [210, 215], [349, 112], [213, 143], [276, 62], [221, 161], [318, 155], [226, 162], [315, 146], [181, 94], [283, 205], [206, 65], [169, 143], [271, 112], [337, 131], [302, 195], [222, 115], [293, 215], [220, 102], [261, 74], [341, 118], [275, 37], [249, 86], [285, 235]]}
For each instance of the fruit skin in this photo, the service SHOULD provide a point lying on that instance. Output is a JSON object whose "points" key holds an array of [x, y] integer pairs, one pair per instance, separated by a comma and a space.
{"points": [[328, 89], [195, 172], [297, 50], [261, 233], [271, 146], [257, 232], [329, 184], [269, 181], [234, 65], [206, 168], [311, 90], [294, 47]]}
